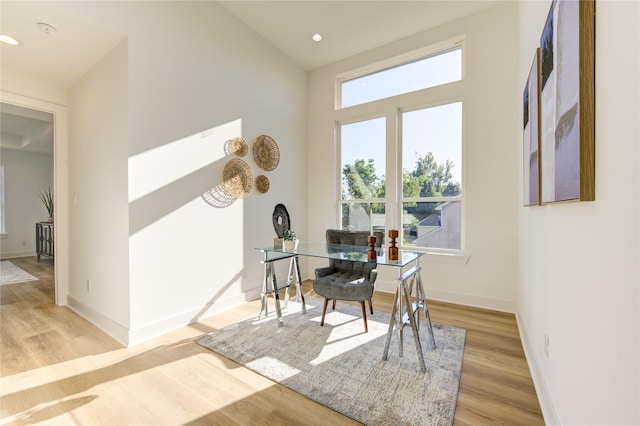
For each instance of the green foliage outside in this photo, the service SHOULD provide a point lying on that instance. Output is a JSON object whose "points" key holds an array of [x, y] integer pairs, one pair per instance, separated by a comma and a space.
{"points": [[427, 179]]}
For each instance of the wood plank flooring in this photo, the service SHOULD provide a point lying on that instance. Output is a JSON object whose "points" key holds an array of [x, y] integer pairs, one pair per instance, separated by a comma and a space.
{"points": [[56, 368]]}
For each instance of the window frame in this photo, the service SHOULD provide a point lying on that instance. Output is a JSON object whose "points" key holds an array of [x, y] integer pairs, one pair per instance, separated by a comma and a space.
{"points": [[399, 60], [368, 201], [392, 108], [399, 177]]}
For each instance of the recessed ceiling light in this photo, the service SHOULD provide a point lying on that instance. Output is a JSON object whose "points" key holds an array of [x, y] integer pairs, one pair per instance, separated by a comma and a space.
{"points": [[46, 28], [9, 40], [316, 37]]}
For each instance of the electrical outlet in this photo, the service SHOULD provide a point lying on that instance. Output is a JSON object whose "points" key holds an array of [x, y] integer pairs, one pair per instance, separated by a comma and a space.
{"points": [[546, 345]]}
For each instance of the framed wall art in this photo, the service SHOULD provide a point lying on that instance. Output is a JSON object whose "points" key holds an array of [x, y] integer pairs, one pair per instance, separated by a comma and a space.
{"points": [[567, 104], [531, 135]]}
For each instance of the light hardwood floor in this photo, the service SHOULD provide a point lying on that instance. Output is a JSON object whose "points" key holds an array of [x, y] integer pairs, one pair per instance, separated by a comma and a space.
{"points": [[56, 368]]}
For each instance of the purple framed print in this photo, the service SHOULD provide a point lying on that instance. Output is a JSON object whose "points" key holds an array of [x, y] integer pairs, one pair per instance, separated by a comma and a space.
{"points": [[531, 135], [567, 104]]}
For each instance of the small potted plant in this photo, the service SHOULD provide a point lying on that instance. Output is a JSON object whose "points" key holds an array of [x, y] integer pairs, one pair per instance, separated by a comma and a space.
{"points": [[290, 240], [47, 200]]}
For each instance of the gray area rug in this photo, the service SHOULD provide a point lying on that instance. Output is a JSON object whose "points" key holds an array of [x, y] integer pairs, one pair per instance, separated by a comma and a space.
{"points": [[11, 274], [341, 367]]}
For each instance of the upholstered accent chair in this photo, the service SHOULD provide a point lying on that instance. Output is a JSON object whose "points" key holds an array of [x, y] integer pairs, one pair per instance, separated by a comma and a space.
{"points": [[346, 279]]}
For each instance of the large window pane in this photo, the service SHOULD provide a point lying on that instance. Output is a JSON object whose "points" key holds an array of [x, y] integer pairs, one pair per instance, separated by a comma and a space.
{"points": [[363, 159], [434, 225], [432, 152], [363, 216], [421, 74]]}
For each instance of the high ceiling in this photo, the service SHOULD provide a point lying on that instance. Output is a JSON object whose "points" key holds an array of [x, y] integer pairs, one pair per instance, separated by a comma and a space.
{"points": [[347, 27], [61, 57]]}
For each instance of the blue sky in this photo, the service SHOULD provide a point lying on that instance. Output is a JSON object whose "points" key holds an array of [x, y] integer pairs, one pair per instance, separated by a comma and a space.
{"points": [[437, 129]]}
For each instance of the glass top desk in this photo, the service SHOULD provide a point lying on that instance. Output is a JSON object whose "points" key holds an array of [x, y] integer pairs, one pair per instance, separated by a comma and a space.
{"points": [[410, 297]]}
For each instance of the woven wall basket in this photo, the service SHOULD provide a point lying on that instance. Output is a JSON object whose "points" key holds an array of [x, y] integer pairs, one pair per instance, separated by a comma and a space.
{"points": [[237, 178], [266, 153], [236, 146], [262, 184]]}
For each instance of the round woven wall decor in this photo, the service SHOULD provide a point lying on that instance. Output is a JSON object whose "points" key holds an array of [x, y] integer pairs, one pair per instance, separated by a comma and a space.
{"points": [[239, 146], [237, 178], [266, 152], [262, 184], [236, 146]]}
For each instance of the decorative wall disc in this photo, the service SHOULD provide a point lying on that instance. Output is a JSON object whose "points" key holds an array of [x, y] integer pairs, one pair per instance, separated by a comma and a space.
{"points": [[266, 152], [281, 220], [236, 146], [239, 146], [262, 184], [237, 178]]}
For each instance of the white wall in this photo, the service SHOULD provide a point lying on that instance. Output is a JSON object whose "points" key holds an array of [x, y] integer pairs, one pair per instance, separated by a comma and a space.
{"points": [[579, 274], [98, 211], [25, 175], [20, 82], [196, 77], [490, 173]]}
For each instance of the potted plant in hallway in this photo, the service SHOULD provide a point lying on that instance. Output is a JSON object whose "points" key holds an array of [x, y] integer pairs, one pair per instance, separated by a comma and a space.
{"points": [[290, 240], [47, 200]]}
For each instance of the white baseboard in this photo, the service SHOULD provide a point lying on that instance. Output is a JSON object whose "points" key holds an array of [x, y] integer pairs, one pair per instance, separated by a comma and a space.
{"points": [[549, 410], [112, 328], [149, 331], [493, 304], [14, 254], [128, 338], [476, 301]]}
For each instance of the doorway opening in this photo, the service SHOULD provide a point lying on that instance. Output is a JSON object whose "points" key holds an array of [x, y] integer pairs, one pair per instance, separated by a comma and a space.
{"points": [[48, 137]]}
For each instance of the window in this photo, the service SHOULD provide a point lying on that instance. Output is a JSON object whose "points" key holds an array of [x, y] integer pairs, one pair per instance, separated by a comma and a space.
{"points": [[362, 167], [403, 168], [432, 176], [431, 71]]}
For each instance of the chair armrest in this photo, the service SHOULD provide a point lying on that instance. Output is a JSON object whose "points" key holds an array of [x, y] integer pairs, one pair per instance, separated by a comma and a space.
{"points": [[323, 272]]}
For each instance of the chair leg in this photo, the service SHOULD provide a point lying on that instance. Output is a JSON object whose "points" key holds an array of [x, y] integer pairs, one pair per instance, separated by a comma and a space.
{"points": [[364, 317], [334, 304], [371, 306], [324, 311]]}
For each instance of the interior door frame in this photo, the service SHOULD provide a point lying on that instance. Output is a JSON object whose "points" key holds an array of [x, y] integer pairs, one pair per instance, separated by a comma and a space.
{"points": [[60, 185]]}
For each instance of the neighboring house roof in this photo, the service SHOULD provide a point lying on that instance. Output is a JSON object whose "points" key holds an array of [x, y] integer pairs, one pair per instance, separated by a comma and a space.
{"points": [[433, 220]]}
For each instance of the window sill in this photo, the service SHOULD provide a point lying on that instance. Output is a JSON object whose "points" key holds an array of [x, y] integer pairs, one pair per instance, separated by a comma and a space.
{"points": [[3, 235], [452, 258]]}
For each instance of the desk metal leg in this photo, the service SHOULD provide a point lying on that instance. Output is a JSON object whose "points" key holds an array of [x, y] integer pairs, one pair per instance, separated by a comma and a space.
{"points": [[294, 268], [270, 286], [264, 306], [414, 327], [407, 313]]}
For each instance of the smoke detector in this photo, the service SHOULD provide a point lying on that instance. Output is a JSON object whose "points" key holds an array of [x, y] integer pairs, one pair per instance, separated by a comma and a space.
{"points": [[46, 28]]}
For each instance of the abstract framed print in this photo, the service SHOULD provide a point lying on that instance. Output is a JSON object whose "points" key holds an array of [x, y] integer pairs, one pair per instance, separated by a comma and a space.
{"points": [[567, 104]]}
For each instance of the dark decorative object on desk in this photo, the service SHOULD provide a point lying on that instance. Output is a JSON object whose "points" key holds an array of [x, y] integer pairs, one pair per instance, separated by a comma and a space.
{"points": [[281, 223]]}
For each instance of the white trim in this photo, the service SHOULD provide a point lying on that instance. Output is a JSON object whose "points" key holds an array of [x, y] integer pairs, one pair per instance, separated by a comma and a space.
{"points": [[458, 258], [501, 305], [60, 184], [13, 254], [165, 325], [548, 407], [414, 55], [112, 328], [128, 338], [3, 213]]}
